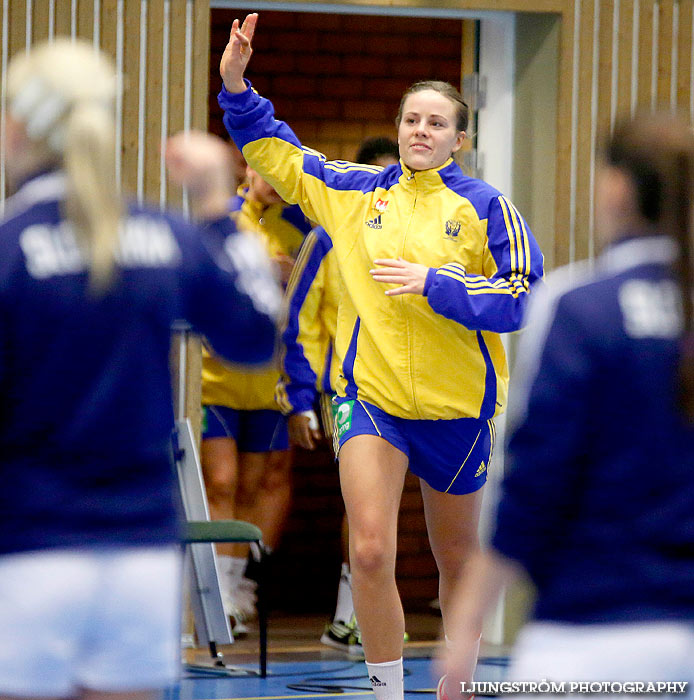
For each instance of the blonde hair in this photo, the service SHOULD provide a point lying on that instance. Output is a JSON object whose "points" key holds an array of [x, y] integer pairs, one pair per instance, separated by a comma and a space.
{"points": [[63, 93]]}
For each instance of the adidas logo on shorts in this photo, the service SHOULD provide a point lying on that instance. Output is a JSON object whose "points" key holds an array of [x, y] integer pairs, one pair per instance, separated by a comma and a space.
{"points": [[481, 469]]}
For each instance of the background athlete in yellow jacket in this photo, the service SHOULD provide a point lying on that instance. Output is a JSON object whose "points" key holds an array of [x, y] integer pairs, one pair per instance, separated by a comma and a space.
{"points": [[435, 265], [309, 371], [245, 453]]}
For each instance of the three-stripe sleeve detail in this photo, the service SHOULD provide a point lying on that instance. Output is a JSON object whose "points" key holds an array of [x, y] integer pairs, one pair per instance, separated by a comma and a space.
{"points": [[517, 282], [517, 235]]}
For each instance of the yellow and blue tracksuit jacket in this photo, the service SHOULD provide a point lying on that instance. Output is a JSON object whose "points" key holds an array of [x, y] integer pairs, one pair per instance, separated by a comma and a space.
{"points": [[308, 360], [438, 356], [282, 229]]}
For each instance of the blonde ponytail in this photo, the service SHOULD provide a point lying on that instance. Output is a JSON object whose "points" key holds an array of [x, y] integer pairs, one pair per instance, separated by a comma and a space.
{"points": [[64, 93], [93, 204]]}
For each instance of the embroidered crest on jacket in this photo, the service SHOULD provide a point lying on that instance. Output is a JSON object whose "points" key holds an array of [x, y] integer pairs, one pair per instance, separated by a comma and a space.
{"points": [[452, 229]]}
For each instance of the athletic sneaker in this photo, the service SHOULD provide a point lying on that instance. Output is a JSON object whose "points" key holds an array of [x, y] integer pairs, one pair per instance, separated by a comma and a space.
{"points": [[355, 645], [347, 637], [338, 635], [441, 690], [237, 617], [238, 626], [441, 693]]}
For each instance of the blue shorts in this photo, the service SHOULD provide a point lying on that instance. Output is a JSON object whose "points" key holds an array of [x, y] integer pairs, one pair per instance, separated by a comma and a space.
{"points": [[452, 456], [254, 431]]}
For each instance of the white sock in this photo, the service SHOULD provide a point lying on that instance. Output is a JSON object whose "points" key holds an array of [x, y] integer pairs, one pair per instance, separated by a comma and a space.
{"points": [[231, 572], [237, 566], [224, 564], [344, 608], [386, 680]]}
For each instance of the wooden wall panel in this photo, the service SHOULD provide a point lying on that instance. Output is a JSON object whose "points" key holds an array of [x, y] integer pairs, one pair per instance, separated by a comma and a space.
{"points": [[40, 26], [578, 247], [603, 108], [131, 98], [647, 13], [153, 99], [63, 17], [684, 57], [649, 67], [176, 86], [85, 19], [625, 55], [108, 26], [566, 147], [664, 53], [201, 59], [17, 18]]}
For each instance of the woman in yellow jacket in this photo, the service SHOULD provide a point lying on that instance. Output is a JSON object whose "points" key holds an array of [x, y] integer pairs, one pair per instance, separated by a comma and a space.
{"points": [[245, 450], [423, 368]]}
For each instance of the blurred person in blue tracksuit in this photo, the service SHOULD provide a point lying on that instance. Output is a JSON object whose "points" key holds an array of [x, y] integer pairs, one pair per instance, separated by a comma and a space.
{"points": [[90, 286], [598, 504]]}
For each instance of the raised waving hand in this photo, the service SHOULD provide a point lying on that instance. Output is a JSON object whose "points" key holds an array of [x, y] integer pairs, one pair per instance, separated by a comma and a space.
{"points": [[237, 53]]}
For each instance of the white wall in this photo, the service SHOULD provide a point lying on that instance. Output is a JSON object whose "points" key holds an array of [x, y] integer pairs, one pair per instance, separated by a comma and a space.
{"points": [[495, 148]]}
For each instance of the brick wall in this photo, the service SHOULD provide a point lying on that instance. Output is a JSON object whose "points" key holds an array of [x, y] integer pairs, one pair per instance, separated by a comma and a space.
{"points": [[337, 79]]}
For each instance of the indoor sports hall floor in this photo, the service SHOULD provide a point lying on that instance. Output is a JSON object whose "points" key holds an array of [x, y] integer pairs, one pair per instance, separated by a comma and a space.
{"points": [[300, 667]]}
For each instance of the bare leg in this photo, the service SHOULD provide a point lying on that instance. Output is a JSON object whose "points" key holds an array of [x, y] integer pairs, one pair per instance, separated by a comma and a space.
{"points": [[452, 523], [220, 468], [344, 538], [372, 473], [265, 492]]}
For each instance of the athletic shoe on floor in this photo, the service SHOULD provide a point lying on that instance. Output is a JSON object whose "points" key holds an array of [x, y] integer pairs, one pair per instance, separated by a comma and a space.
{"points": [[238, 627], [441, 693], [237, 617], [441, 690], [347, 637], [338, 635], [355, 647]]}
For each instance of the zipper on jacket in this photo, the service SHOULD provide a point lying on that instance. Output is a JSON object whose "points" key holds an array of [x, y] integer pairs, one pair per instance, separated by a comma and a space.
{"points": [[404, 305]]}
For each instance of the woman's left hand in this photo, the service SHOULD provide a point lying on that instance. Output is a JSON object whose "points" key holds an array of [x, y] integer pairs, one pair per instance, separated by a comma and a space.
{"points": [[411, 276], [237, 53]]}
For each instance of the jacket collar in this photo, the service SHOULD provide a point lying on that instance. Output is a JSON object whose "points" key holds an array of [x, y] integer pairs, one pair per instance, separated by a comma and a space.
{"points": [[638, 250], [43, 187], [423, 179]]}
